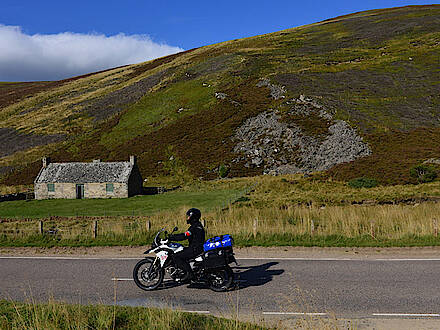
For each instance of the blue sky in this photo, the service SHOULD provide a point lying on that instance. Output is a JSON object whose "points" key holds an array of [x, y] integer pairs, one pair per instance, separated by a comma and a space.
{"points": [[146, 29]]}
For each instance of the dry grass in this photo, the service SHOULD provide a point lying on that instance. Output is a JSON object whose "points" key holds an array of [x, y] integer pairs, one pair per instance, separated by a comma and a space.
{"points": [[4, 190], [58, 315], [272, 225], [385, 221], [290, 190], [55, 105]]}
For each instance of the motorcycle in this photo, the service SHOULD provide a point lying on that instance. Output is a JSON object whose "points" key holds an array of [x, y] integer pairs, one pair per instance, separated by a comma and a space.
{"points": [[211, 267]]}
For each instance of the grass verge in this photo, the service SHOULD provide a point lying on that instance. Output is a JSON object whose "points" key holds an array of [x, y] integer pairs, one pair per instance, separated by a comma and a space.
{"points": [[56, 315]]}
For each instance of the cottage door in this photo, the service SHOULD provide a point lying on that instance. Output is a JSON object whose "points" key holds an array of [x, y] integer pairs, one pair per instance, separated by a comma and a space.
{"points": [[79, 191]]}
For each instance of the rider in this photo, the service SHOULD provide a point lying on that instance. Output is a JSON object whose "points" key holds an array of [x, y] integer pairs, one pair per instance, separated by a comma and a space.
{"points": [[196, 237]]}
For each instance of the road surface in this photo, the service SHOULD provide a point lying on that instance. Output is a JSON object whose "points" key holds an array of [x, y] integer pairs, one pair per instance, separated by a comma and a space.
{"points": [[352, 289]]}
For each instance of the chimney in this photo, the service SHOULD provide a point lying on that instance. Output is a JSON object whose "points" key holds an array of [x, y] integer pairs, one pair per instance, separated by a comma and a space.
{"points": [[46, 161], [133, 160]]}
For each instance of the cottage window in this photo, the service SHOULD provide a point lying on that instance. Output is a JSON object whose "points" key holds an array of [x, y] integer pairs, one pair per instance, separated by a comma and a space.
{"points": [[50, 187], [109, 187]]}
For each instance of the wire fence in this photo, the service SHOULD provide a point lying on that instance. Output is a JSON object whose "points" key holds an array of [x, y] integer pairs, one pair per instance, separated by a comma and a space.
{"points": [[129, 227], [246, 221]]}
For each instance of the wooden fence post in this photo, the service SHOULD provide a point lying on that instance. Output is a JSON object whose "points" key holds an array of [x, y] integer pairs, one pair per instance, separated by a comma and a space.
{"points": [[312, 228], [40, 227], [254, 228], [95, 229], [147, 225], [372, 233], [435, 227]]}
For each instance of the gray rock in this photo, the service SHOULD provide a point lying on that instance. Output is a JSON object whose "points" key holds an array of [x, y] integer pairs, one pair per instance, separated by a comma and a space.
{"points": [[221, 96], [280, 148], [277, 92], [435, 161]]}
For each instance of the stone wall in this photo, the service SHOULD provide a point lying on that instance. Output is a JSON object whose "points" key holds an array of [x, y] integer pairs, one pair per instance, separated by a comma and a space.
{"points": [[97, 190], [16, 197], [135, 182], [91, 190]]}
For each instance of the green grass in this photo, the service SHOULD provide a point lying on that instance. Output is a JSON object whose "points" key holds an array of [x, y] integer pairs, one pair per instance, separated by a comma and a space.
{"points": [[158, 109], [139, 205], [58, 315]]}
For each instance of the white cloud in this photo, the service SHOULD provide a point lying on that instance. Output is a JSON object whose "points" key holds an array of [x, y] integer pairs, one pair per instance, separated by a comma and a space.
{"points": [[56, 56]]}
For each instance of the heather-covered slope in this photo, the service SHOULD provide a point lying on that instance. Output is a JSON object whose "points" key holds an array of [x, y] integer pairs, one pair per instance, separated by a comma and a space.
{"points": [[357, 95]]}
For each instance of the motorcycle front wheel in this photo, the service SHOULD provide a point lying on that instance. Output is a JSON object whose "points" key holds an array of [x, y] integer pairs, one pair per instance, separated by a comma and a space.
{"points": [[148, 274], [221, 279]]}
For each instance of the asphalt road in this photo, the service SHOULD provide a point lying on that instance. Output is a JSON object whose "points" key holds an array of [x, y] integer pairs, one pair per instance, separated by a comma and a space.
{"points": [[346, 288]]}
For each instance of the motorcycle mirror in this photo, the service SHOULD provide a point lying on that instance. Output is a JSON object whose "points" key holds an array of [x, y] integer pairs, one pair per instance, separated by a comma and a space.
{"points": [[175, 229]]}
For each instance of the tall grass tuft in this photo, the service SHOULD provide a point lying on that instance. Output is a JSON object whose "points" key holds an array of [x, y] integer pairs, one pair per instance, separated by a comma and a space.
{"points": [[58, 315]]}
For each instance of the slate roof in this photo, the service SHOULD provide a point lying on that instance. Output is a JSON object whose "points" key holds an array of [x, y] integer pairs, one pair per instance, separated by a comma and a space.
{"points": [[85, 172]]}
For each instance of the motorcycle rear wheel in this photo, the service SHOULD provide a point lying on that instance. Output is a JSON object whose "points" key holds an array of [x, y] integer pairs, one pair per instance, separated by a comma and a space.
{"points": [[147, 274], [221, 279]]}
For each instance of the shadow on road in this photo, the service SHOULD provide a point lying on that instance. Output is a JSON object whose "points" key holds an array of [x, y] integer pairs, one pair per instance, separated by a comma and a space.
{"points": [[255, 275], [168, 284], [244, 276]]}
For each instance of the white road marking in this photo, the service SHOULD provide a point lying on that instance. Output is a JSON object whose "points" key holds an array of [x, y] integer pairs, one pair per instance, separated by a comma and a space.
{"points": [[71, 258], [294, 313], [344, 259], [250, 258], [122, 279], [302, 259], [406, 314], [409, 259]]}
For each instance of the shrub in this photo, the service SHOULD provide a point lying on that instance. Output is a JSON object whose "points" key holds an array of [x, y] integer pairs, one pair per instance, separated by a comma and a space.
{"points": [[223, 171], [362, 183], [423, 173], [175, 166]]}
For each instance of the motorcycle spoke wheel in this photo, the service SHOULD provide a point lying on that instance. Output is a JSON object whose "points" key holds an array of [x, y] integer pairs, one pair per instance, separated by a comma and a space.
{"points": [[220, 280], [147, 274]]}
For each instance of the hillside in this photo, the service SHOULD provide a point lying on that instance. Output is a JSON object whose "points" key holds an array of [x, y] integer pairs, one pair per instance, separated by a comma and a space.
{"points": [[357, 95]]}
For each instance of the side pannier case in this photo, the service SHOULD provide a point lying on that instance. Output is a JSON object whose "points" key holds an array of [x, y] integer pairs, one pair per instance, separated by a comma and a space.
{"points": [[214, 259], [218, 251]]}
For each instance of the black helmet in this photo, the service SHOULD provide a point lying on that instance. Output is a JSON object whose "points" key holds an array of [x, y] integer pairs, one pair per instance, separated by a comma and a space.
{"points": [[193, 215]]}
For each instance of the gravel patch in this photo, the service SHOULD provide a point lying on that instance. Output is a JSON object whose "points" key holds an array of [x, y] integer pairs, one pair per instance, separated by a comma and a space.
{"points": [[368, 253]]}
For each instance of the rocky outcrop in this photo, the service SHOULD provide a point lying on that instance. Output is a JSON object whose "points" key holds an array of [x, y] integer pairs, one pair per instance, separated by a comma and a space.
{"points": [[303, 139], [277, 92]]}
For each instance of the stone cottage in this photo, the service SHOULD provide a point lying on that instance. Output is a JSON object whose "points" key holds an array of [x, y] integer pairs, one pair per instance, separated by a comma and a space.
{"points": [[88, 180]]}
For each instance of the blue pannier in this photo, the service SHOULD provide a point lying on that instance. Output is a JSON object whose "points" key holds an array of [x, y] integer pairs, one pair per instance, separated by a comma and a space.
{"points": [[217, 242]]}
